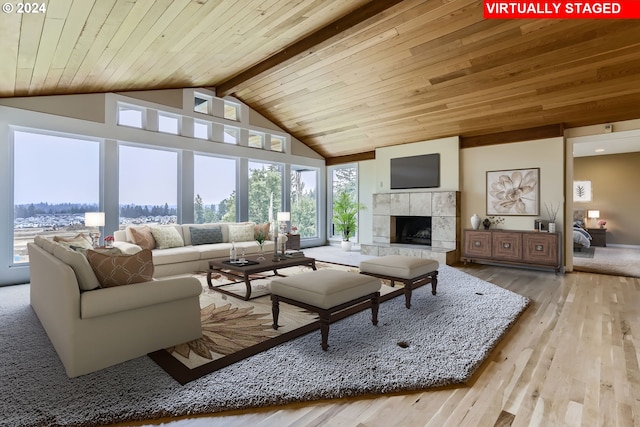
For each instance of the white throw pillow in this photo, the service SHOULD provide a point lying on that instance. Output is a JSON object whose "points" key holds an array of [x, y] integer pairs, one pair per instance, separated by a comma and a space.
{"points": [[241, 232], [167, 236]]}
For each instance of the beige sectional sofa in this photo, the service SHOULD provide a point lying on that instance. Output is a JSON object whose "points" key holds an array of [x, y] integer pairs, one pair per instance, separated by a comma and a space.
{"points": [[93, 327], [184, 257]]}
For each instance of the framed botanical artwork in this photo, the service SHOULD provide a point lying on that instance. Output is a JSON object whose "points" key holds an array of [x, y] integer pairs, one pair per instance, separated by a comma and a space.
{"points": [[513, 192], [581, 191]]}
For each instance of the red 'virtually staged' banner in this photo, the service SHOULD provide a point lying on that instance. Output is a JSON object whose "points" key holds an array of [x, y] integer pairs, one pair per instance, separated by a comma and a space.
{"points": [[588, 9]]}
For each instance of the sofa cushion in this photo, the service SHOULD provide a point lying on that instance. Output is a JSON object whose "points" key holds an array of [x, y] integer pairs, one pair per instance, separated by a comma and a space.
{"points": [[167, 236], [241, 232], [118, 270], [79, 240], [174, 255], [87, 280], [142, 237], [205, 235]]}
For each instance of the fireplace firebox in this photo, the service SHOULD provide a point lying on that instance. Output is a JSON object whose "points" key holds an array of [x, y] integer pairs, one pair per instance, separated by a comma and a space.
{"points": [[414, 230]]}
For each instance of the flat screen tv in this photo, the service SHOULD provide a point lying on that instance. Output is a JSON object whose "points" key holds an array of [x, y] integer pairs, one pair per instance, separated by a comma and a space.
{"points": [[415, 172]]}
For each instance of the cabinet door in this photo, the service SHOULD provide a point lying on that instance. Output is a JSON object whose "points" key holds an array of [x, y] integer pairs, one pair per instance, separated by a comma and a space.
{"points": [[477, 244], [507, 246], [541, 248]]}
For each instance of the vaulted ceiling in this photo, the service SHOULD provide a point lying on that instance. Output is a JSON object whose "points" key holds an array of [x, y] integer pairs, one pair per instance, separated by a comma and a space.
{"points": [[342, 76]]}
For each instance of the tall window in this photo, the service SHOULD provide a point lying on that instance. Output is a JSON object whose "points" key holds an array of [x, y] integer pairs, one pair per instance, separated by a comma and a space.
{"points": [[304, 201], [148, 185], [56, 180], [265, 191], [343, 178], [215, 189]]}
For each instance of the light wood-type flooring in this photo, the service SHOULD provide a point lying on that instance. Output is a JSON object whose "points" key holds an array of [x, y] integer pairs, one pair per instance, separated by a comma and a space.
{"points": [[572, 359]]}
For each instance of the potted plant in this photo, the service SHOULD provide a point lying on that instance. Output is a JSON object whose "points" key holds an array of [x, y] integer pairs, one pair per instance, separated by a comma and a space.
{"points": [[345, 217]]}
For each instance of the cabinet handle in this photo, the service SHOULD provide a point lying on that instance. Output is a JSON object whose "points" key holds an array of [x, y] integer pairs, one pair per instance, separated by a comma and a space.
{"points": [[506, 245], [477, 243], [539, 248]]}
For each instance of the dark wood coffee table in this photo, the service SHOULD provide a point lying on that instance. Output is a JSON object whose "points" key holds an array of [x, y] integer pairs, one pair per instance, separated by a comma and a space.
{"points": [[239, 273]]}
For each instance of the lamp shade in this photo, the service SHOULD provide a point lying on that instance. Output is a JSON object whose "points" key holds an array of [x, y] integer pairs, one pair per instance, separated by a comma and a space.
{"points": [[284, 216], [593, 214], [94, 219]]}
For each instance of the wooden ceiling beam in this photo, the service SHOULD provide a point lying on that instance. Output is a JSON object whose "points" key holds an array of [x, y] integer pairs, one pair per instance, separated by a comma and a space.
{"points": [[530, 134], [303, 47], [339, 160]]}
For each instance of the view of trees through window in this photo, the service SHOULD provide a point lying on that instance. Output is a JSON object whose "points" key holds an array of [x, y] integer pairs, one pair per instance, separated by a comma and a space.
{"points": [[215, 189], [265, 191], [343, 178], [304, 201]]}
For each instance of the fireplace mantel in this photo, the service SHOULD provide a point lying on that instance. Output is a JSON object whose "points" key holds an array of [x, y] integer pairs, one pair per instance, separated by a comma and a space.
{"points": [[442, 206]]}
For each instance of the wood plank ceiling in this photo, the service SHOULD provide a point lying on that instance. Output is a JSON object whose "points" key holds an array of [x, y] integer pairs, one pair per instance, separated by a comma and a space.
{"points": [[342, 76]]}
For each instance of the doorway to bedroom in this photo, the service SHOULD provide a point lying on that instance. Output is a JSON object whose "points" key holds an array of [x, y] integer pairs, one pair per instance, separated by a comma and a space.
{"points": [[605, 203]]}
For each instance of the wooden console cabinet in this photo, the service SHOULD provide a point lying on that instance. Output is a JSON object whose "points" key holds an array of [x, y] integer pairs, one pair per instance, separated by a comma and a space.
{"points": [[513, 247]]}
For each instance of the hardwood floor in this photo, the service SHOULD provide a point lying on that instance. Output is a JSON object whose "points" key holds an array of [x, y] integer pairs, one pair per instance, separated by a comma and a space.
{"points": [[571, 359]]}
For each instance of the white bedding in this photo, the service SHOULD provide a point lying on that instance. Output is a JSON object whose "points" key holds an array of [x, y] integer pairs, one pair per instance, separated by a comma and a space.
{"points": [[581, 237]]}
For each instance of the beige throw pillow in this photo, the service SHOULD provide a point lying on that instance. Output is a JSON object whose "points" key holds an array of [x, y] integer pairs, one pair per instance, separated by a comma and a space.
{"points": [[79, 240], [142, 237], [119, 270], [241, 232], [167, 236]]}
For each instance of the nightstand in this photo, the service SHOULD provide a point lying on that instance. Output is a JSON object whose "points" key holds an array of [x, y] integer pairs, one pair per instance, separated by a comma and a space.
{"points": [[293, 242], [598, 236]]}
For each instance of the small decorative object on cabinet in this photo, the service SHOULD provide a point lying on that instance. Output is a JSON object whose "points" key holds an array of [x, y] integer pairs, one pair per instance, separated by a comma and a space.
{"points": [[475, 221], [513, 247], [598, 236]]}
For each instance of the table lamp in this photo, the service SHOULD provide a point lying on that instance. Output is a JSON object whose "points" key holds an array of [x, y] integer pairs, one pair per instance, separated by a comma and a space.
{"points": [[594, 215], [283, 217], [94, 220]]}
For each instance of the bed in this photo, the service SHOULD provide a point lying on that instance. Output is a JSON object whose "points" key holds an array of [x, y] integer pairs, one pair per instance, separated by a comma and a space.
{"points": [[581, 237]]}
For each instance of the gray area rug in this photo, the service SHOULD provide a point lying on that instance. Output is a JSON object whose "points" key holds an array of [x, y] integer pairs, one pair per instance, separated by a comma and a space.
{"points": [[448, 336]]}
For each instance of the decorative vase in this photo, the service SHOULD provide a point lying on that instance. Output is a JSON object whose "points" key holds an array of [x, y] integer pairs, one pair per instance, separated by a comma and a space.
{"points": [[486, 223], [346, 245], [261, 256], [475, 221], [552, 227]]}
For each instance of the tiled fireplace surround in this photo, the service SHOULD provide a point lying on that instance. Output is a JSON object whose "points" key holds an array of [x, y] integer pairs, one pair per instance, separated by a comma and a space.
{"points": [[442, 206]]}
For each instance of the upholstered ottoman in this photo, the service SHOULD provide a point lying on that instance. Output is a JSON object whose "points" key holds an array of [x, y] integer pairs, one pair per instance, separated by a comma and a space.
{"points": [[325, 292], [412, 272]]}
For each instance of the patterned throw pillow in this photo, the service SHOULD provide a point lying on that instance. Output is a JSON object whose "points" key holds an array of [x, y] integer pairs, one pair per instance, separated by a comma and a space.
{"points": [[167, 237], [79, 240], [241, 232], [261, 227], [142, 237], [205, 235], [119, 270]]}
